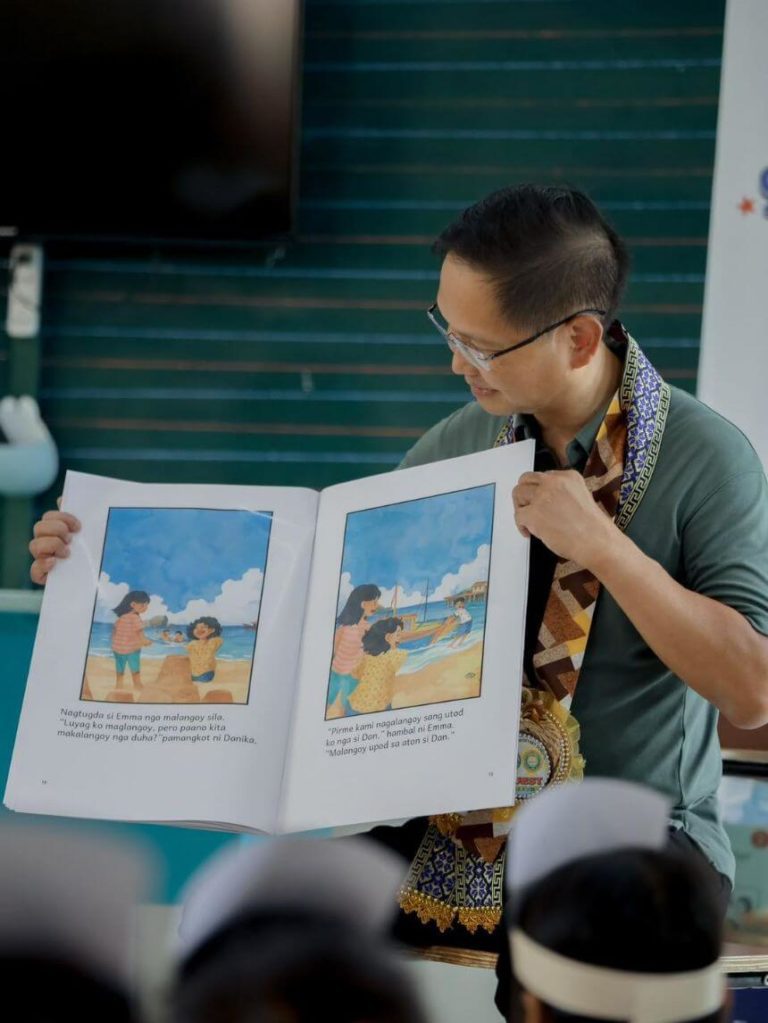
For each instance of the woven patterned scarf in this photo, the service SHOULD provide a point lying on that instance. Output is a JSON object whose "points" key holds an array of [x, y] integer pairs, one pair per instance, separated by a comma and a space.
{"points": [[457, 874]]}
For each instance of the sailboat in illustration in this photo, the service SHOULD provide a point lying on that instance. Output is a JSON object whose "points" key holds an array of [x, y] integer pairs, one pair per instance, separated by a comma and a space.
{"points": [[424, 633]]}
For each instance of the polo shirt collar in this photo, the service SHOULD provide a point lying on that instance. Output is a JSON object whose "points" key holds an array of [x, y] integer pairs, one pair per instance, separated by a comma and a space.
{"points": [[526, 427]]}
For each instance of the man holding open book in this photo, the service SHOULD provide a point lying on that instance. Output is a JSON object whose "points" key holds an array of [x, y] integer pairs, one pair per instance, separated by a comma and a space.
{"points": [[648, 517]]}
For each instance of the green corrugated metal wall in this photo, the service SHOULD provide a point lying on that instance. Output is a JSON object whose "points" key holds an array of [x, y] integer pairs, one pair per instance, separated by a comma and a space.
{"points": [[321, 366]]}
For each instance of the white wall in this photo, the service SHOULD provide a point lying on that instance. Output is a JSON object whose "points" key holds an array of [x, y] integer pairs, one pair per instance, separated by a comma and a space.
{"points": [[733, 372]]}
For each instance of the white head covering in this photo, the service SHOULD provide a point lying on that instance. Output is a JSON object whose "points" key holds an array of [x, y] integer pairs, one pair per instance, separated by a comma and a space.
{"points": [[71, 895], [354, 880], [567, 823]]}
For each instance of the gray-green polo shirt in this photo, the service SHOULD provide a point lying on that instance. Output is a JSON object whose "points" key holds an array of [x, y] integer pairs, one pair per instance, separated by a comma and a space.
{"points": [[704, 518]]}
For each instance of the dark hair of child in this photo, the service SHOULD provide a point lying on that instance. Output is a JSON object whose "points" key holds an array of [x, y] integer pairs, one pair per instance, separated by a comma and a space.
{"points": [[212, 623], [352, 611], [375, 639], [134, 597], [270, 967], [633, 909]]}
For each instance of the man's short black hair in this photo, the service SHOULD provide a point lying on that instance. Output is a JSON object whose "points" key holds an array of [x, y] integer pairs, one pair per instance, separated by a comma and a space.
{"points": [[548, 252]]}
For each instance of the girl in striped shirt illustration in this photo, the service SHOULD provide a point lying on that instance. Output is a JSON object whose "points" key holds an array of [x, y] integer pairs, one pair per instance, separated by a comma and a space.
{"points": [[351, 625], [128, 636]]}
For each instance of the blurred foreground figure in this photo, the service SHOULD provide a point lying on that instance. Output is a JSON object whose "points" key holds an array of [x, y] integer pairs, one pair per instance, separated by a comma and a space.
{"points": [[293, 930], [604, 922], [67, 913]]}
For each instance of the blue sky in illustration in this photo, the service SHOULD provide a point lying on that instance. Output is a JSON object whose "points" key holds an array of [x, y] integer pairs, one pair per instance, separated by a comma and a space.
{"points": [[183, 554], [409, 542]]}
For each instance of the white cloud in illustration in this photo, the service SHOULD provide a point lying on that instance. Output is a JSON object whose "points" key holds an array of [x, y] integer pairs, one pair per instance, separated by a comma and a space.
{"points": [[403, 599], [451, 583], [237, 604], [110, 594], [455, 582], [345, 588]]}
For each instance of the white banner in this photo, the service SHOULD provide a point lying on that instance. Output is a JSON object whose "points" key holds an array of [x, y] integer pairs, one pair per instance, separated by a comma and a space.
{"points": [[733, 370]]}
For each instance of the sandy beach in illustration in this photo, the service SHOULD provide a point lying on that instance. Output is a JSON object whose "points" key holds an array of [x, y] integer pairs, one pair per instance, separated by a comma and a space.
{"points": [[457, 677], [167, 686]]}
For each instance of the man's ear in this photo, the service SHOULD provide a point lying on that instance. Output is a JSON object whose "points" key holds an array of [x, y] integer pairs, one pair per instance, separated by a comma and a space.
{"points": [[585, 334]]}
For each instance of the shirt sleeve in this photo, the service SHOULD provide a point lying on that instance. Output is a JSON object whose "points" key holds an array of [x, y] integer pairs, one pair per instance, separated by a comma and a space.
{"points": [[725, 547]]}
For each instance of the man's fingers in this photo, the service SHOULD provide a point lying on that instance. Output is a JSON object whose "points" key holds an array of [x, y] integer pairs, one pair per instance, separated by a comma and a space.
{"points": [[72, 522], [534, 478], [520, 517], [50, 543], [52, 527], [523, 494], [48, 546], [40, 570]]}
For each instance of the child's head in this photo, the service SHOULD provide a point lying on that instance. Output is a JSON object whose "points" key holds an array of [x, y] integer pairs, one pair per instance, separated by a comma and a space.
{"points": [[599, 904], [363, 600], [375, 640], [459, 602], [642, 911], [49, 983], [204, 628], [282, 965], [69, 901], [292, 929], [136, 600]]}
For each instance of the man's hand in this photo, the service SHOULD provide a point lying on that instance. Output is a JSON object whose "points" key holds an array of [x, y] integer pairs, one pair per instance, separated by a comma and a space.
{"points": [[558, 509], [710, 646], [52, 536]]}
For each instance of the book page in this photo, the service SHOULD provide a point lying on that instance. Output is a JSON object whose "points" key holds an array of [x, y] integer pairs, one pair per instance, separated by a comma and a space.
{"points": [[166, 654], [411, 667]]}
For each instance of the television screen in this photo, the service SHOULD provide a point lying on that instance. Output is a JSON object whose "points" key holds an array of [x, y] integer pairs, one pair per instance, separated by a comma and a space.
{"points": [[149, 118]]}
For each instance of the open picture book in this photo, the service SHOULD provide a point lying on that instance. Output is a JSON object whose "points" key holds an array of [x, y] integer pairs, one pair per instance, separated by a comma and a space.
{"points": [[275, 659]]}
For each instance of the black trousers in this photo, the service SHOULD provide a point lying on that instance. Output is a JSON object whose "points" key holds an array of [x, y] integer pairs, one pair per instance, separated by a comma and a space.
{"points": [[409, 930]]}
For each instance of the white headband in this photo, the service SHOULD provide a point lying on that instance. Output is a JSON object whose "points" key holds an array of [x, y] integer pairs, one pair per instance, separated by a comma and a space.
{"points": [[609, 994]]}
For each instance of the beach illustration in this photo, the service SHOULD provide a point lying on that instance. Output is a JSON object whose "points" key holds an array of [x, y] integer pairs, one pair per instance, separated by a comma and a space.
{"points": [[177, 607], [413, 592]]}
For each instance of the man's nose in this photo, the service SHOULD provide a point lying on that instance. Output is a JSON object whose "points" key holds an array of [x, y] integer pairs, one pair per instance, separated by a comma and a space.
{"points": [[461, 366]]}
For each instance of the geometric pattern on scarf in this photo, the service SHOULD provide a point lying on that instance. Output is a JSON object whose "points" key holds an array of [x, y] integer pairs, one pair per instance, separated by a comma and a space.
{"points": [[617, 473], [446, 883]]}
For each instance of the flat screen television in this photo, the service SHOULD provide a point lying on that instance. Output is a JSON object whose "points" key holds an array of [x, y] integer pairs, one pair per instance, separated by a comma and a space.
{"points": [[164, 119]]}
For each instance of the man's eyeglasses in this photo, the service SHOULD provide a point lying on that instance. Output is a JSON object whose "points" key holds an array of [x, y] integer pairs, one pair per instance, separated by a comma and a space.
{"points": [[480, 360]]}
